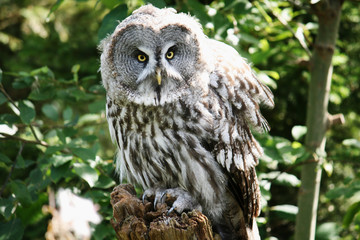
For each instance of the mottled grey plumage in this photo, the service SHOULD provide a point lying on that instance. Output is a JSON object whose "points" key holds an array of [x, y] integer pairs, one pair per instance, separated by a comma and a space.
{"points": [[180, 107]]}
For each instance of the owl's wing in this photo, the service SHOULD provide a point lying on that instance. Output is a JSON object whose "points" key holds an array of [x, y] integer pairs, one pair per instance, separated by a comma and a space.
{"points": [[239, 94]]}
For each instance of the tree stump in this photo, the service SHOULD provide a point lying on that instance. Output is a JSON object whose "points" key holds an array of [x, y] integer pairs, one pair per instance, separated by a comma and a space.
{"points": [[135, 220]]}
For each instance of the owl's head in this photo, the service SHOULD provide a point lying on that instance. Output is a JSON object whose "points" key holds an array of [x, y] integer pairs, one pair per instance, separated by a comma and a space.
{"points": [[152, 57]]}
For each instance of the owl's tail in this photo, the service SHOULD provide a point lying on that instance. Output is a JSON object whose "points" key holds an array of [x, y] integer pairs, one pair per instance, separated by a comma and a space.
{"points": [[242, 206], [232, 226]]}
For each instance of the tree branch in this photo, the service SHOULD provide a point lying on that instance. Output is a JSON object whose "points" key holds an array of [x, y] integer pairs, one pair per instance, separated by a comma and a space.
{"points": [[38, 142]]}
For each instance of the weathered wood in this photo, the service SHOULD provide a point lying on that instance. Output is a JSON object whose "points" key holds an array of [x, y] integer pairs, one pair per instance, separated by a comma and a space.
{"points": [[135, 220]]}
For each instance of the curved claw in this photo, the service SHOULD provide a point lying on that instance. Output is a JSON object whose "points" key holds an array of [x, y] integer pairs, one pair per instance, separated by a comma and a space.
{"points": [[143, 198], [162, 196], [159, 199], [155, 202], [170, 211]]}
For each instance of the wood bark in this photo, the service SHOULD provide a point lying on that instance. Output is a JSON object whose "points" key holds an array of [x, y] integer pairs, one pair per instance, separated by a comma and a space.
{"points": [[328, 13], [138, 220]]}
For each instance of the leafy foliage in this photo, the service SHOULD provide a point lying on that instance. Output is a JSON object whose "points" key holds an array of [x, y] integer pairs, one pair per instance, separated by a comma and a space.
{"points": [[53, 131]]}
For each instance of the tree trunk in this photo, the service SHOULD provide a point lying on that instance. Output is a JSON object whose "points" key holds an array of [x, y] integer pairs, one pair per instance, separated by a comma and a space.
{"points": [[317, 122], [135, 220]]}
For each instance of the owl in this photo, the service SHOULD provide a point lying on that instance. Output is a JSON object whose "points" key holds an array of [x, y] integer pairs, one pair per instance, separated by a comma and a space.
{"points": [[181, 108]]}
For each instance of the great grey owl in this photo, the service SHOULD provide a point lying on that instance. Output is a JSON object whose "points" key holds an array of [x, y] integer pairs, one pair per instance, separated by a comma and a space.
{"points": [[180, 107]]}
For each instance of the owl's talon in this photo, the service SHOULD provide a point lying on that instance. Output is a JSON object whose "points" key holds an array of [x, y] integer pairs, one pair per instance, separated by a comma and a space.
{"points": [[184, 201], [143, 198], [170, 211]]}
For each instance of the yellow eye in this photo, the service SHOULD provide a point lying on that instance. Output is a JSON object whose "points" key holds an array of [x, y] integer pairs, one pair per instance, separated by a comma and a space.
{"points": [[169, 54], [141, 58]]}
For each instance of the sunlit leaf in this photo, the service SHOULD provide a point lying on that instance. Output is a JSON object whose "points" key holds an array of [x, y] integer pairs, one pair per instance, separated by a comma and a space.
{"points": [[298, 132], [283, 178], [285, 211], [352, 142], [86, 172], [328, 231], [58, 160], [328, 167]]}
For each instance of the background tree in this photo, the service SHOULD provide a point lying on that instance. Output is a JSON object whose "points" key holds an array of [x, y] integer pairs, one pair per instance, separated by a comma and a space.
{"points": [[52, 120]]}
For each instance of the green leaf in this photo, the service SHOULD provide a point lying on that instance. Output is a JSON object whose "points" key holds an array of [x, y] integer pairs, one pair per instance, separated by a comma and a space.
{"points": [[157, 3], [21, 192], [5, 159], [43, 93], [50, 111], [60, 172], [87, 173], [33, 214], [58, 160], [27, 111], [55, 7], [336, 193], [103, 231], [6, 207], [38, 180], [67, 114], [110, 3], [350, 214], [3, 99], [9, 119], [23, 82], [53, 149], [97, 106], [104, 182], [111, 20], [285, 211], [199, 10], [20, 162], [283, 178], [13, 230], [84, 153], [287, 179], [328, 231], [351, 143], [298, 132]]}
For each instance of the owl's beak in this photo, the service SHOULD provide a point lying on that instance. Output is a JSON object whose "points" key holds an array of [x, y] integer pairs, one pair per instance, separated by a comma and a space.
{"points": [[158, 76]]}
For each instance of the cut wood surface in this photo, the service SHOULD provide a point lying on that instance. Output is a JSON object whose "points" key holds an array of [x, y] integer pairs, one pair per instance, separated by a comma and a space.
{"points": [[135, 220]]}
